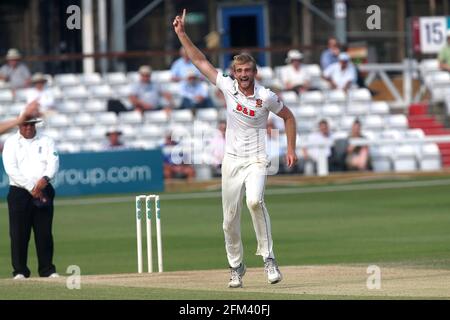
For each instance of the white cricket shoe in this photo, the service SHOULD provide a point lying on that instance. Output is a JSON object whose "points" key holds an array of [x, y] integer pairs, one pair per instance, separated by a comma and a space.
{"points": [[19, 276], [273, 273], [236, 276], [54, 275]]}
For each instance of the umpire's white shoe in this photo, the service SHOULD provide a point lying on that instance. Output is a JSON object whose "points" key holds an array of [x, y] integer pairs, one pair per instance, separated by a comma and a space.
{"points": [[19, 276], [236, 276], [273, 273], [54, 275]]}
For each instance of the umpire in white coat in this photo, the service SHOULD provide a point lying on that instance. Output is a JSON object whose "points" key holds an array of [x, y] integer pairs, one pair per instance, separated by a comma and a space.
{"points": [[31, 162]]}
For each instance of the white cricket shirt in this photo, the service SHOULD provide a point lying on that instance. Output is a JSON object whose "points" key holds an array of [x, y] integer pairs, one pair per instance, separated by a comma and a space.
{"points": [[28, 160], [340, 77], [247, 117], [294, 77], [317, 148]]}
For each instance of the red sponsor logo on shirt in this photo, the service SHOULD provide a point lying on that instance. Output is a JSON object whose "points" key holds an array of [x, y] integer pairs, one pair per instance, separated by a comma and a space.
{"points": [[245, 110]]}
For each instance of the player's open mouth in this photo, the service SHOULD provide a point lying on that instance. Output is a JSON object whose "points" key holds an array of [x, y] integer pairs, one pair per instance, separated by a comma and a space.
{"points": [[244, 81]]}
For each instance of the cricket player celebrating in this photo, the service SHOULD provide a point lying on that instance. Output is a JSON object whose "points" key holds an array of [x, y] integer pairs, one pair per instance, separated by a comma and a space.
{"points": [[245, 162]]}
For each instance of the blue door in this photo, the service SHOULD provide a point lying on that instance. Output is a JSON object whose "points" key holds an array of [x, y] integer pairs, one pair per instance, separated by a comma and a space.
{"points": [[243, 27]]}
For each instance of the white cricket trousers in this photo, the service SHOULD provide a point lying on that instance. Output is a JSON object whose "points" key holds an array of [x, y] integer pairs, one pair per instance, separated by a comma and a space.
{"points": [[239, 174]]}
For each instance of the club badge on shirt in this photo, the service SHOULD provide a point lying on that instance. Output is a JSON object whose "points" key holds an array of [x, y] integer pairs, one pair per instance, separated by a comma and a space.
{"points": [[258, 103]]}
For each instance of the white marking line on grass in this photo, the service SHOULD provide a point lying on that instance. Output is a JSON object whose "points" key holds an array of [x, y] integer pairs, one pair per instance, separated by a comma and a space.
{"points": [[281, 191], [206, 195]]}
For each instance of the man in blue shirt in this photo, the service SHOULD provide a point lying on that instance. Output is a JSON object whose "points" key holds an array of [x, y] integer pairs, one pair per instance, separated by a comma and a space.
{"points": [[330, 55], [181, 66]]}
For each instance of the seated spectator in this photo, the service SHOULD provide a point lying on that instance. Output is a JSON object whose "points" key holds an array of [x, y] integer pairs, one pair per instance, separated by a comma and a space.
{"points": [[15, 73], [360, 77], [171, 169], [181, 66], [217, 145], [114, 142], [341, 75], [194, 92], [146, 95], [357, 156], [330, 55], [41, 94], [294, 77], [320, 144], [444, 55]]}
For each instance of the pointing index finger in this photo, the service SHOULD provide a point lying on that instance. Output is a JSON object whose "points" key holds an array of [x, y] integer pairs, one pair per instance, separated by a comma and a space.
{"points": [[184, 15]]}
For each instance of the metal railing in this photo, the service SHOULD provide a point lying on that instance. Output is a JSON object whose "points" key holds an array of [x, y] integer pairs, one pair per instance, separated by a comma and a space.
{"points": [[408, 68]]}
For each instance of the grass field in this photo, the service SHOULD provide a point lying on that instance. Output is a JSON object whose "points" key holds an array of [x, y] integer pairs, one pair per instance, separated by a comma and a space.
{"points": [[346, 225]]}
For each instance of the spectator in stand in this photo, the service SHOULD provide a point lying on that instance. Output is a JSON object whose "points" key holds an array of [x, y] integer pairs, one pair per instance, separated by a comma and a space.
{"points": [[320, 144], [114, 143], [181, 66], [145, 95], [295, 77], [357, 156], [444, 55], [218, 148], [330, 55], [173, 169], [360, 81], [341, 75], [15, 73], [194, 92], [39, 93]]}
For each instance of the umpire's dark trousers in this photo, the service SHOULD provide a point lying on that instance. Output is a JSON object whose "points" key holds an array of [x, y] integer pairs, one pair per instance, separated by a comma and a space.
{"points": [[24, 215]]}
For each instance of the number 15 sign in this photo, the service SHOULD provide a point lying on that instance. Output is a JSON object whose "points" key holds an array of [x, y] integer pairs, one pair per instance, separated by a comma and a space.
{"points": [[430, 34]]}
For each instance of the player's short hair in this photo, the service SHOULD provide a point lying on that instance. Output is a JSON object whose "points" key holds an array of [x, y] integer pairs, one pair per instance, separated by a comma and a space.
{"points": [[241, 59]]}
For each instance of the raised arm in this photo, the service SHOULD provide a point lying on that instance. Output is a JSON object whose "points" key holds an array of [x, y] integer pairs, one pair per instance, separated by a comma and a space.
{"points": [[197, 57], [30, 111]]}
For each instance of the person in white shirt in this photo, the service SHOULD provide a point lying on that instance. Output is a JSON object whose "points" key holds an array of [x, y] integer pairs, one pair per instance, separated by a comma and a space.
{"points": [[342, 74], [294, 76], [320, 144], [245, 164], [217, 148], [41, 94], [31, 162]]}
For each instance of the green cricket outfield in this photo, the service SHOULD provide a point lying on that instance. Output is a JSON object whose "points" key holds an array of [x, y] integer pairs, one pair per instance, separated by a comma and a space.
{"points": [[325, 237]]}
